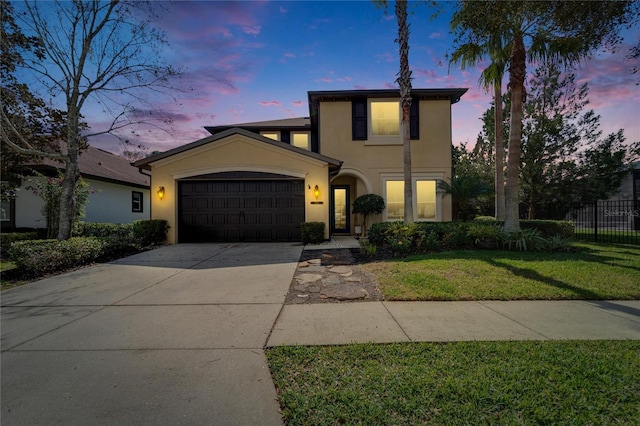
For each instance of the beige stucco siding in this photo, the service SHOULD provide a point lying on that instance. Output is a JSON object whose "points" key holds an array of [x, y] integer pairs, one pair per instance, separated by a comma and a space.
{"points": [[237, 153], [430, 155]]}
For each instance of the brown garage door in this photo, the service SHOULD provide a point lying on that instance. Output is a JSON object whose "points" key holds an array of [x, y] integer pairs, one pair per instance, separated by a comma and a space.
{"points": [[241, 210]]}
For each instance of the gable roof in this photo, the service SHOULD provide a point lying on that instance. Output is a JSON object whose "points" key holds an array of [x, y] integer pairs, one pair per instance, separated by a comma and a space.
{"points": [[101, 165], [145, 163]]}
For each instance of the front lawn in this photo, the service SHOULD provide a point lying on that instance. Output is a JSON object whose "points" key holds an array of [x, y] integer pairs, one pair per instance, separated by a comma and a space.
{"points": [[597, 271], [551, 382]]}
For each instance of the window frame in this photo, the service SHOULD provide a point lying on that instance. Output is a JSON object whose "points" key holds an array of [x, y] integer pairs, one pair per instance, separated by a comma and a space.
{"points": [[414, 179], [135, 209], [274, 132], [307, 134], [382, 139]]}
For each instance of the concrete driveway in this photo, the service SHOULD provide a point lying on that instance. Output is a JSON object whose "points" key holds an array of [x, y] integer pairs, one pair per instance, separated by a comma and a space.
{"points": [[171, 336]]}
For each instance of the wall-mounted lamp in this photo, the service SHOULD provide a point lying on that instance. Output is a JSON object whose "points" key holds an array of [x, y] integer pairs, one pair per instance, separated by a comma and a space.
{"points": [[316, 192], [161, 193]]}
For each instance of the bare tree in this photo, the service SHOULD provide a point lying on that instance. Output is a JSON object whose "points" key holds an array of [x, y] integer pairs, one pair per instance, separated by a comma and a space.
{"points": [[109, 52]]}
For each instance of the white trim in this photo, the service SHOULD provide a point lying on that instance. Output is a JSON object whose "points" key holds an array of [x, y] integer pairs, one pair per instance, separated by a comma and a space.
{"points": [[345, 171], [239, 168], [377, 139], [307, 134], [284, 152], [431, 176]]}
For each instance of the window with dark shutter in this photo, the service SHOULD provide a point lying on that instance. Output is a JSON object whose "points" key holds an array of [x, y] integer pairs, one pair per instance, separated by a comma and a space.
{"points": [[359, 119], [414, 119]]}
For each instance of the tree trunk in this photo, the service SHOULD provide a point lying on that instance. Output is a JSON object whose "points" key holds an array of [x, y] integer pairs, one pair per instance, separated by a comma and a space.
{"points": [[517, 71], [71, 174], [404, 81], [499, 151]]}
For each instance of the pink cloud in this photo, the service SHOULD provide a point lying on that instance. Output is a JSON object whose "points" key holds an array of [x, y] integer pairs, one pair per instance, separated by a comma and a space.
{"points": [[435, 35], [390, 86], [360, 87], [386, 57], [325, 80], [297, 103], [283, 10], [270, 103], [289, 55]]}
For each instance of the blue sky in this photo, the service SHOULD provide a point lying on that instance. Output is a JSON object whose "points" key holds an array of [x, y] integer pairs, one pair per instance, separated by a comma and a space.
{"points": [[256, 60]]}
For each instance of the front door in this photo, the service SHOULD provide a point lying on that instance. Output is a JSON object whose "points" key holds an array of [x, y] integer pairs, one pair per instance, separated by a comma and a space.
{"points": [[340, 222]]}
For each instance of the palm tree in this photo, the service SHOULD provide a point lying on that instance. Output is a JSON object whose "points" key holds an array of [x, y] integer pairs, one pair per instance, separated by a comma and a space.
{"points": [[469, 55], [556, 32], [404, 81]]}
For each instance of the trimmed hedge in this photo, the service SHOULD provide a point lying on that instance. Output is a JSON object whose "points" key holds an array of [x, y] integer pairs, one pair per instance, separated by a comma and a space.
{"points": [[485, 233], [312, 232], [547, 228], [9, 238], [150, 232], [36, 258]]}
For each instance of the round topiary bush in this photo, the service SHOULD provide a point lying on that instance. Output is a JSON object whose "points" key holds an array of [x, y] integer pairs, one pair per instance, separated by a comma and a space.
{"points": [[366, 205]]}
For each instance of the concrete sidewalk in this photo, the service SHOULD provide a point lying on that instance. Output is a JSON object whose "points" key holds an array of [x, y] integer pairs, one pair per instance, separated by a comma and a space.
{"points": [[385, 322]]}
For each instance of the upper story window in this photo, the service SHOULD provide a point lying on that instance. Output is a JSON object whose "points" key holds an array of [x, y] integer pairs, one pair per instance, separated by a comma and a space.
{"points": [[271, 135], [300, 139], [385, 118], [377, 121]]}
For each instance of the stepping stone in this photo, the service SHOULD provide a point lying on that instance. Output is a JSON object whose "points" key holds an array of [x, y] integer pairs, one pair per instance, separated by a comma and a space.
{"points": [[346, 294], [303, 264], [303, 295], [340, 270], [329, 281], [313, 289], [308, 278], [314, 261], [347, 274], [353, 279]]}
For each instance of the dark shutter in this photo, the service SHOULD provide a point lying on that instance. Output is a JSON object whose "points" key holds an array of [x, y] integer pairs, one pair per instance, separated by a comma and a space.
{"points": [[359, 119], [414, 119], [285, 136]]}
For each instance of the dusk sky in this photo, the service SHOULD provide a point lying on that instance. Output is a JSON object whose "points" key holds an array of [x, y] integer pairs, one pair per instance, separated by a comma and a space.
{"points": [[256, 60]]}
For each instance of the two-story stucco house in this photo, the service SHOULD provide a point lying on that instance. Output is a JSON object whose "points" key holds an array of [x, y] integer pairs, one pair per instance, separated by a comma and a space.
{"points": [[259, 181]]}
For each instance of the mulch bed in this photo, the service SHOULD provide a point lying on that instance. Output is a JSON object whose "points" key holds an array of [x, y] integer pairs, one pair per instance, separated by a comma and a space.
{"points": [[353, 284]]}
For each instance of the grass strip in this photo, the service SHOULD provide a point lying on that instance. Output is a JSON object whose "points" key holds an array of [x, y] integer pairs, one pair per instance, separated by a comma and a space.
{"points": [[597, 271], [550, 382]]}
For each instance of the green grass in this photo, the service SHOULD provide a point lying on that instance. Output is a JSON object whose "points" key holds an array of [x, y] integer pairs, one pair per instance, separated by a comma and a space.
{"points": [[530, 383], [597, 271], [6, 265], [609, 236]]}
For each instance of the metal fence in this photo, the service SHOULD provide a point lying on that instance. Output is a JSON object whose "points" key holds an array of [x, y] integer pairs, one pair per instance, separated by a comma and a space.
{"points": [[602, 221]]}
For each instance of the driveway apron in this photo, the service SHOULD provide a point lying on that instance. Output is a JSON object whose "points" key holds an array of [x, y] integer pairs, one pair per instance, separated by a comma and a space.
{"points": [[170, 336]]}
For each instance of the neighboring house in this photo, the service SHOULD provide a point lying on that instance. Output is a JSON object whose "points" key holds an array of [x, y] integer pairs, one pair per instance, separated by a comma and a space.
{"points": [[259, 181], [119, 192]]}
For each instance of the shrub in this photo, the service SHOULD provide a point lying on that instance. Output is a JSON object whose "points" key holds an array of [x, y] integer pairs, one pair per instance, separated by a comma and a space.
{"points": [[485, 235], [37, 258], [7, 239], [550, 228], [378, 233], [428, 241], [312, 232], [484, 219], [523, 240], [150, 232], [401, 238], [103, 230], [366, 205], [367, 249]]}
